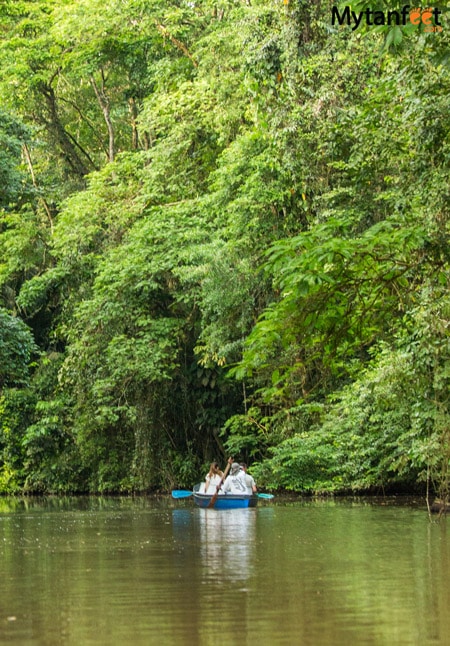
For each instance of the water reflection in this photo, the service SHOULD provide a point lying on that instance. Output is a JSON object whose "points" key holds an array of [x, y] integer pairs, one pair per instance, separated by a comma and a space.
{"points": [[139, 571], [226, 542]]}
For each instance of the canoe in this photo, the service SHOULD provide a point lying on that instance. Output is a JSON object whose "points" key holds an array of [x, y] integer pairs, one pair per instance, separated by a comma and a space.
{"points": [[225, 500]]}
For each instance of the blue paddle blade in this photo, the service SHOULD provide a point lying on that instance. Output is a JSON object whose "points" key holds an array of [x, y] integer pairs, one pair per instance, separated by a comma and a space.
{"points": [[267, 496], [181, 493]]}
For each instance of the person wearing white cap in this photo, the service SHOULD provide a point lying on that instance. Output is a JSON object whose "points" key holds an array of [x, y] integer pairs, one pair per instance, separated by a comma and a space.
{"points": [[235, 483]]}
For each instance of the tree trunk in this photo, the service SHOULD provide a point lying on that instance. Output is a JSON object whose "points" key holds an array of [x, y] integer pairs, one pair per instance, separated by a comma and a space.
{"points": [[103, 102], [134, 129], [57, 130]]}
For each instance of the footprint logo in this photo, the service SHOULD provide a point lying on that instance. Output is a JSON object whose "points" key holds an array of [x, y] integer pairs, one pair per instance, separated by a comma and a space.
{"points": [[415, 16], [427, 15]]}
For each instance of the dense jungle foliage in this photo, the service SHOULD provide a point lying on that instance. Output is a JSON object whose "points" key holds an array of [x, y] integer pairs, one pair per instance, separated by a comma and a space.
{"points": [[224, 229]]}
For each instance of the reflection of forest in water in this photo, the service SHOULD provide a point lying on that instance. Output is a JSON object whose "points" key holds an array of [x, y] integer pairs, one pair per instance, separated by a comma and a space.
{"points": [[227, 540]]}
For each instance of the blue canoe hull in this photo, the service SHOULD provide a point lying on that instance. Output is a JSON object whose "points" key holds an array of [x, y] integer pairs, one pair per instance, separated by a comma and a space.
{"points": [[225, 501]]}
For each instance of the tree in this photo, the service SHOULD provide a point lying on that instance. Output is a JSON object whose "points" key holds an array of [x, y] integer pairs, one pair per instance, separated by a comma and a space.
{"points": [[221, 223], [16, 349]]}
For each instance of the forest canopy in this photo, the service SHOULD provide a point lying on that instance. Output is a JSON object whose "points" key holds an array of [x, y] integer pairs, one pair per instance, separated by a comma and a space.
{"points": [[224, 230]]}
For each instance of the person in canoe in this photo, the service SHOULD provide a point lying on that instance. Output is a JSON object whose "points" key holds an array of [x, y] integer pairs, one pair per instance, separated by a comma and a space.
{"points": [[249, 480], [236, 483], [213, 478]]}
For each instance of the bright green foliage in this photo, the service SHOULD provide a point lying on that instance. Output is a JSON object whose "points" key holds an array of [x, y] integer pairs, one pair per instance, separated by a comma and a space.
{"points": [[389, 426], [16, 407], [226, 228], [376, 242], [13, 135], [16, 348]]}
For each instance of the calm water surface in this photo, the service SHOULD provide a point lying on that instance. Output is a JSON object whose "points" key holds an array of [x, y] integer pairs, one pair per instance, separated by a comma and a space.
{"points": [[142, 571]]}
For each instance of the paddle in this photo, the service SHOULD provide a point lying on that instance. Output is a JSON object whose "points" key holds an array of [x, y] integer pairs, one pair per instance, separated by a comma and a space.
{"points": [[266, 496], [212, 502], [181, 493]]}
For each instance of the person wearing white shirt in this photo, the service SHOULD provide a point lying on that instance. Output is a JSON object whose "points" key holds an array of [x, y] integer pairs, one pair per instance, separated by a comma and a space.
{"points": [[249, 480], [236, 483], [213, 479]]}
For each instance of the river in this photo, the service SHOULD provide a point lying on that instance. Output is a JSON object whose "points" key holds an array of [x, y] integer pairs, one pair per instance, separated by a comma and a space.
{"points": [[154, 571]]}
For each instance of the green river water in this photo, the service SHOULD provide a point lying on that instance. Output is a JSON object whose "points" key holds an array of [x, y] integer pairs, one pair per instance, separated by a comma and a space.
{"points": [[144, 571]]}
